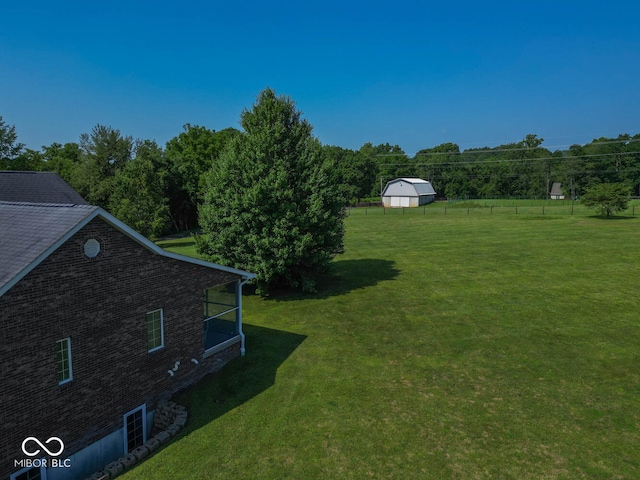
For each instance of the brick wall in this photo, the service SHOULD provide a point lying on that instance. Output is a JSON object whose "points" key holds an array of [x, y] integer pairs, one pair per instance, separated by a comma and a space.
{"points": [[101, 305]]}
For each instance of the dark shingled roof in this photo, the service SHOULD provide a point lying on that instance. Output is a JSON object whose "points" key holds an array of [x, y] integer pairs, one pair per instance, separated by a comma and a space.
{"points": [[27, 230], [37, 187]]}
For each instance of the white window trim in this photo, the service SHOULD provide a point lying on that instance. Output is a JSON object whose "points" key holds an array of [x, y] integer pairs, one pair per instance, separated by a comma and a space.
{"points": [[67, 380], [161, 330], [142, 407]]}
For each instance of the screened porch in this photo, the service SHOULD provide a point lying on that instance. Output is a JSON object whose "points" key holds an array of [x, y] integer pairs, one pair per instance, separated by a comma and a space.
{"points": [[222, 317]]}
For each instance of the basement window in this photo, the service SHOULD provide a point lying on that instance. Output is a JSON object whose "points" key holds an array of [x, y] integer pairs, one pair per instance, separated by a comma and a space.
{"points": [[33, 473], [135, 428]]}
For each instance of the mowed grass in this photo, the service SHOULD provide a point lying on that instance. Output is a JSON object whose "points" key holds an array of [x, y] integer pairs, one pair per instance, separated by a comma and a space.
{"points": [[442, 346]]}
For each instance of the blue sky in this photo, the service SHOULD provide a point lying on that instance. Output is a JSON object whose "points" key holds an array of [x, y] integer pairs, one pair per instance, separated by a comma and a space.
{"points": [[411, 73]]}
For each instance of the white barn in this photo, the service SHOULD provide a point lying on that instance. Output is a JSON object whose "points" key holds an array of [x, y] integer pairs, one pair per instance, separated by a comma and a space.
{"points": [[407, 192]]}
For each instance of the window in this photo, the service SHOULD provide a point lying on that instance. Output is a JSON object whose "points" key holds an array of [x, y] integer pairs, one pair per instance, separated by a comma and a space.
{"points": [[135, 428], [34, 473], [221, 314], [63, 359], [155, 330]]}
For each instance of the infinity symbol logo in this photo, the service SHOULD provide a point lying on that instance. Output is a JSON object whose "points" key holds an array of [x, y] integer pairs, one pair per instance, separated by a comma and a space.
{"points": [[34, 439]]}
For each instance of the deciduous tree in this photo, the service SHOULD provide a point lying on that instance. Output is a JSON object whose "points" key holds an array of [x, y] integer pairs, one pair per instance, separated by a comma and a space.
{"points": [[137, 196], [9, 146], [104, 152], [607, 198], [189, 155]]}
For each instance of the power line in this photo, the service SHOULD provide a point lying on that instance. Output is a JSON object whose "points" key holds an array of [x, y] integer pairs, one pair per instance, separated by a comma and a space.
{"points": [[534, 176], [512, 160], [491, 150]]}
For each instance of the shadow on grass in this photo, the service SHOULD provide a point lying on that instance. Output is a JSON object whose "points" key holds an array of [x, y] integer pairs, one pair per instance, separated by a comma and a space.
{"points": [[612, 217], [241, 379], [343, 276], [172, 243]]}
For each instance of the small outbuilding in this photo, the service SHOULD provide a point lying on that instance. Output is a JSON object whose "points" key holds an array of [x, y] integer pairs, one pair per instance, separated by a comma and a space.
{"points": [[556, 191], [407, 192]]}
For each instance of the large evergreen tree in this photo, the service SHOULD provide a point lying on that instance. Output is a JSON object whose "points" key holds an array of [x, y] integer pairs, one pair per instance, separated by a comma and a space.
{"points": [[270, 204]]}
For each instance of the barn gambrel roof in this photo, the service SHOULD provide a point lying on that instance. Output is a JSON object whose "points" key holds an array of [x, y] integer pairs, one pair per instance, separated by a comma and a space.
{"points": [[408, 187]]}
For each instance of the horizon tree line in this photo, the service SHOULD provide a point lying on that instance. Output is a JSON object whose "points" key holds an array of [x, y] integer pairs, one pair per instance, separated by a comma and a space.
{"points": [[159, 189]]}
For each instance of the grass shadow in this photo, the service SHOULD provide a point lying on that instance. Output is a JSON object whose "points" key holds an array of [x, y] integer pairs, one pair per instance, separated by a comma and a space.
{"points": [[172, 243], [612, 217], [241, 379], [344, 276]]}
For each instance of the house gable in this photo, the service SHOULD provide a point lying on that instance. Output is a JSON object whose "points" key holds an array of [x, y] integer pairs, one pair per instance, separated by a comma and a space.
{"points": [[34, 231], [31, 231]]}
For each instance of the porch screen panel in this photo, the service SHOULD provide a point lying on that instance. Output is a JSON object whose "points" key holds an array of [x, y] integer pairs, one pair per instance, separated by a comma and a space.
{"points": [[220, 299], [221, 314]]}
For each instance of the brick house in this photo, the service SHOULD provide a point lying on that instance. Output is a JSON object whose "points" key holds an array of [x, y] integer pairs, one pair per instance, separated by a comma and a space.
{"points": [[98, 324]]}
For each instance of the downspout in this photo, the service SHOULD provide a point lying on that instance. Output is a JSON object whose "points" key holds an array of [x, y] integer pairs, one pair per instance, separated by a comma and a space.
{"points": [[239, 297]]}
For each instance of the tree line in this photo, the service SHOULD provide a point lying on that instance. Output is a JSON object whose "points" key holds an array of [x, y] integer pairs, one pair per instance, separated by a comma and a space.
{"points": [[158, 189]]}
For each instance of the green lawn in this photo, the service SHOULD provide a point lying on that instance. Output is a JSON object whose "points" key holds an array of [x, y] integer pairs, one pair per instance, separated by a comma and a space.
{"points": [[464, 346]]}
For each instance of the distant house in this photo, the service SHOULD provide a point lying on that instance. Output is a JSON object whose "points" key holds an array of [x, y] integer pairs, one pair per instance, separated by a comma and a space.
{"points": [[556, 191], [407, 192], [98, 324]]}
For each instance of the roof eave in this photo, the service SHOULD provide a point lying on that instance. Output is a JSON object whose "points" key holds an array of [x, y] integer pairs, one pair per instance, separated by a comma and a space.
{"points": [[145, 242]]}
